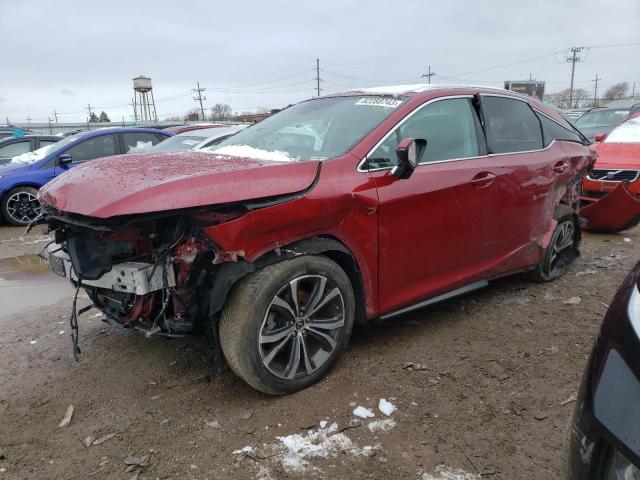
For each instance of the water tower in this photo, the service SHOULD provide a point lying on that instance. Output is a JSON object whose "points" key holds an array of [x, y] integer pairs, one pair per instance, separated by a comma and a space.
{"points": [[141, 105]]}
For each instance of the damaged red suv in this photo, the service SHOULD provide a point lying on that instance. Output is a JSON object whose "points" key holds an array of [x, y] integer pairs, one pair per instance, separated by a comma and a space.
{"points": [[336, 210]]}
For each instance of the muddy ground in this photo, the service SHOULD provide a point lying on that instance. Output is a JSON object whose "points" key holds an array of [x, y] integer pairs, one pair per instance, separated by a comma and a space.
{"points": [[492, 392]]}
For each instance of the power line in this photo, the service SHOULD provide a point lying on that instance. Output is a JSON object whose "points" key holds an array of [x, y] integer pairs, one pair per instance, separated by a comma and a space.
{"points": [[595, 90], [198, 91], [574, 58], [428, 75]]}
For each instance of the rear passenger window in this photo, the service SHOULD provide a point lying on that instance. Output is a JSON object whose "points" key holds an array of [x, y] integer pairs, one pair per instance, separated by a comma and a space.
{"points": [[448, 126], [511, 125], [555, 131]]}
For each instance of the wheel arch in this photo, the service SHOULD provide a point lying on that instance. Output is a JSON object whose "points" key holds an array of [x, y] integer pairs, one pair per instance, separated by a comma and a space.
{"points": [[229, 273]]}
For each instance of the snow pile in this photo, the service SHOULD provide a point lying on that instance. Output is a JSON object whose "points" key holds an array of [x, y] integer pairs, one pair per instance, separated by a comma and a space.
{"points": [[363, 412], [30, 157], [320, 443], [386, 407], [250, 152], [140, 147], [381, 425], [294, 452], [447, 473]]}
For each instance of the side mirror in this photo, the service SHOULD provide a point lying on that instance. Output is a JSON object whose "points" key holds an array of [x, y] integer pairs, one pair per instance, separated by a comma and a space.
{"points": [[64, 159], [409, 153], [599, 137]]}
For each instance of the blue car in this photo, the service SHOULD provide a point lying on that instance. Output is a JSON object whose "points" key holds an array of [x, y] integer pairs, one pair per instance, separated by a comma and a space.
{"points": [[21, 178]]}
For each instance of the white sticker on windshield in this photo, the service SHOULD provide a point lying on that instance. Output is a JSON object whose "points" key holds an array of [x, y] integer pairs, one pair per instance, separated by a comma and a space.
{"points": [[188, 141], [380, 102]]}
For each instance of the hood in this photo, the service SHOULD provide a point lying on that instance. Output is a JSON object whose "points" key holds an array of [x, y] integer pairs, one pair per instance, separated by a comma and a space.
{"points": [[591, 132], [145, 183], [618, 155], [7, 168]]}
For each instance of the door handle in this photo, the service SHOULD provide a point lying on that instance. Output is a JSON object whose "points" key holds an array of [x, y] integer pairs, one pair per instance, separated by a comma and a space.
{"points": [[483, 179], [561, 167]]}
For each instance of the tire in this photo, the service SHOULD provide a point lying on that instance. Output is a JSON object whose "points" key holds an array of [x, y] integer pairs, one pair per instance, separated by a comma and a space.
{"points": [[20, 205], [563, 248], [260, 331]]}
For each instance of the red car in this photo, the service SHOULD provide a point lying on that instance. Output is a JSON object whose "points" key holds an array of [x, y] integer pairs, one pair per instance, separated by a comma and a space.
{"points": [[339, 209], [611, 190]]}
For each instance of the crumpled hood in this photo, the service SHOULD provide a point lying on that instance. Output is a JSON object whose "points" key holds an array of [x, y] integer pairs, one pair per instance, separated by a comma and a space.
{"points": [[617, 155], [145, 183]]}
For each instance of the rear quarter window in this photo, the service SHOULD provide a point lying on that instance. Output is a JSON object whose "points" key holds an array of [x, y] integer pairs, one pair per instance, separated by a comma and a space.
{"points": [[554, 131]]}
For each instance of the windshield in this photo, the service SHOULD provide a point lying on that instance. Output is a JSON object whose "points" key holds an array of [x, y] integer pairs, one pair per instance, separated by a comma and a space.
{"points": [[601, 118], [177, 143], [313, 130], [628, 132], [36, 155]]}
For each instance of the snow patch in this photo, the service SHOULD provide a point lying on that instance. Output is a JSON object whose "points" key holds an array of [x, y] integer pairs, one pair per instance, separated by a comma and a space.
{"points": [[381, 425], [140, 146], [247, 449], [31, 157], [395, 89], [323, 423], [250, 152], [363, 412], [386, 407], [447, 473]]}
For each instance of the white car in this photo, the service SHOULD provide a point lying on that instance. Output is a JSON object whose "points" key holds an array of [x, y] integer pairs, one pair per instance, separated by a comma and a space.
{"points": [[196, 139]]}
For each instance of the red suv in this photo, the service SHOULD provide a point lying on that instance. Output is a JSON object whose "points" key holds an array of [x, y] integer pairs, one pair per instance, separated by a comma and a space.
{"points": [[336, 210]]}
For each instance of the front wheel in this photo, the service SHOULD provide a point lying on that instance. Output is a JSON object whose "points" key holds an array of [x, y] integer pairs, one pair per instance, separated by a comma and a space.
{"points": [[562, 250], [285, 325], [20, 206]]}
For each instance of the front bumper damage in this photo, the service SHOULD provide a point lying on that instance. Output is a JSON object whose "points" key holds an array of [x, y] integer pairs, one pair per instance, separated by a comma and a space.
{"points": [[617, 211]]}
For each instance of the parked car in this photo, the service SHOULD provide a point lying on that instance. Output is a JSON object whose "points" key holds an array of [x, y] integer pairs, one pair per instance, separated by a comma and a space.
{"points": [[14, 146], [21, 178], [197, 139], [611, 190], [604, 442], [372, 203], [601, 120], [8, 130]]}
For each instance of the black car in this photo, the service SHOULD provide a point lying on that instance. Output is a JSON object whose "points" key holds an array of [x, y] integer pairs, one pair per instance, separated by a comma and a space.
{"points": [[603, 119], [605, 436], [13, 146]]}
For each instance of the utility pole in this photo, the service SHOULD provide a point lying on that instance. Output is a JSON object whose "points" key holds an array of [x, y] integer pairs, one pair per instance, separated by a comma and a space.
{"points": [[595, 90], [50, 129], [89, 110], [135, 109], [317, 79], [55, 114], [573, 59], [29, 120], [429, 75], [198, 91], [633, 92]]}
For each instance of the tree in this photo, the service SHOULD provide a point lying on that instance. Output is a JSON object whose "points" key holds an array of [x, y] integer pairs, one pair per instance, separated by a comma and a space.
{"points": [[561, 99], [619, 90], [220, 111], [93, 118], [104, 117], [192, 116]]}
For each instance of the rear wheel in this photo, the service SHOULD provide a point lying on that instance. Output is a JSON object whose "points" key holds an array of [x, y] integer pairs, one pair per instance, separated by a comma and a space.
{"points": [[563, 248], [284, 326], [20, 206]]}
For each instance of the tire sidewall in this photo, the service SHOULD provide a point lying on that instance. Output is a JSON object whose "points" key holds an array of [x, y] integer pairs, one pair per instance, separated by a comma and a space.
{"points": [[544, 271], [306, 265]]}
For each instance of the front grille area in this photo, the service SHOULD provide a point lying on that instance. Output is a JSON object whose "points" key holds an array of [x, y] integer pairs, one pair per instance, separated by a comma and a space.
{"points": [[613, 175]]}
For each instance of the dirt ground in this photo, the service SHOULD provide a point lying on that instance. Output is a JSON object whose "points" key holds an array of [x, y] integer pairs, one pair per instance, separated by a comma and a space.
{"points": [[492, 393]]}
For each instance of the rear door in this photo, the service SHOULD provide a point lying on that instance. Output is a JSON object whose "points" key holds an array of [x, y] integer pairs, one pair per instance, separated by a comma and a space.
{"points": [[137, 142], [437, 227], [515, 142]]}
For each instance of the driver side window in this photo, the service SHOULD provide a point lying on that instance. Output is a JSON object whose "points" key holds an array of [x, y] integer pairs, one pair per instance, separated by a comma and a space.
{"points": [[448, 126]]}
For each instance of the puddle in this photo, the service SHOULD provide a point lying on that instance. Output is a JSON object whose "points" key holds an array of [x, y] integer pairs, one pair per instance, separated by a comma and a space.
{"points": [[26, 281]]}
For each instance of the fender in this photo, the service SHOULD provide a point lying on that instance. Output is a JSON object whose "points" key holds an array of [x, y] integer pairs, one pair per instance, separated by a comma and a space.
{"points": [[229, 273]]}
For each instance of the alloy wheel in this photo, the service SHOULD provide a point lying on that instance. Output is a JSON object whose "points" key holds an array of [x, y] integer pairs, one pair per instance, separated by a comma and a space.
{"points": [[23, 207], [563, 240], [301, 327]]}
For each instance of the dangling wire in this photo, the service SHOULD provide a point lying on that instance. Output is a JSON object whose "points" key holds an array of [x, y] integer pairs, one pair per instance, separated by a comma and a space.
{"points": [[73, 321]]}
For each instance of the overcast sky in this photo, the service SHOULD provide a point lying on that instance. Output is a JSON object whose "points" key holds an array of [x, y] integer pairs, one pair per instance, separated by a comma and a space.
{"points": [[62, 55]]}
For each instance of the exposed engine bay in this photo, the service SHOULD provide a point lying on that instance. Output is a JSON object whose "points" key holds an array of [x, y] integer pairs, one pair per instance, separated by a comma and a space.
{"points": [[152, 273]]}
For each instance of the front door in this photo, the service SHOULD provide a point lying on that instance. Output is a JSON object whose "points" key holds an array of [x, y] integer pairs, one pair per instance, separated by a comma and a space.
{"points": [[437, 227]]}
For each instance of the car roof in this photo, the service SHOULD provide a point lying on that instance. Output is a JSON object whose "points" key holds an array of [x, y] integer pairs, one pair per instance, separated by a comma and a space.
{"points": [[31, 135], [100, 131]]}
